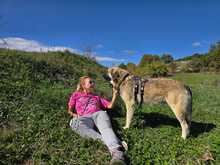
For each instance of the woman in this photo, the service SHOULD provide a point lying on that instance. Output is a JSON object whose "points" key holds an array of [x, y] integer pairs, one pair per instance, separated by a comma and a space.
{"points": [[86, 108]]}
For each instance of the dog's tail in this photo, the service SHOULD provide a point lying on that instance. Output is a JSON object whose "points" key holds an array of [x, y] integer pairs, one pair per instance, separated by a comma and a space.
{"points": [[189, 106], [189, 90]]}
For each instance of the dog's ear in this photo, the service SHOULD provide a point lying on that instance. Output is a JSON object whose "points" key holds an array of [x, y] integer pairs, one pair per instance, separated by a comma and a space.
{"points": [[116, 76], [123, 73], [120, 75], [106, 77]]}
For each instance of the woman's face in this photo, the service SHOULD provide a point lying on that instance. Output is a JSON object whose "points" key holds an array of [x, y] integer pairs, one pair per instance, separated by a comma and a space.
{"points": [[89, 83]]}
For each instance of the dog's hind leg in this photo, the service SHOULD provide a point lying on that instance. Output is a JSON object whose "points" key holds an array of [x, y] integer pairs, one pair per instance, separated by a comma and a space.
{"points": [[185, 107], [184, 125], [129, 114], [180, 110]]}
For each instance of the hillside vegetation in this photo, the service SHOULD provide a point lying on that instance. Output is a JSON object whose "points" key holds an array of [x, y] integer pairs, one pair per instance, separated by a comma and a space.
{"points": [[34, 124], [157, 66]]}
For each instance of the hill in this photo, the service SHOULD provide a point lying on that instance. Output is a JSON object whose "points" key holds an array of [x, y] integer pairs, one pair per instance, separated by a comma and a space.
{"points": [[35, 88], [34, 124], [157, 66]]}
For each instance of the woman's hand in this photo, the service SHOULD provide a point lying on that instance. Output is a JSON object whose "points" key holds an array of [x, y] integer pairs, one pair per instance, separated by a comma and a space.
{"points": [[114, 95], [72, 113], [114, 92]]}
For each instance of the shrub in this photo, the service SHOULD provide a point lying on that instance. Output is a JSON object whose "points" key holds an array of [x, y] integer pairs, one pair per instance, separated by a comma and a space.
{"points": [[156, 69]]}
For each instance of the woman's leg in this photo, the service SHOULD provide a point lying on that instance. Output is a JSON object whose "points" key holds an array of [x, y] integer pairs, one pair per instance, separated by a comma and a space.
{"points": [[104, 126], [84, 126]]}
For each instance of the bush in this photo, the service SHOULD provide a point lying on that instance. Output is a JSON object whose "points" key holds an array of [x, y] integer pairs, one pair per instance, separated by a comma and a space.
{"points": [[158, 69], [155, 69]]}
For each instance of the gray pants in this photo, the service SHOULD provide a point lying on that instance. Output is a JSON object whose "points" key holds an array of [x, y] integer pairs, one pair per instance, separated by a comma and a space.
{"points": [[84, 126]]}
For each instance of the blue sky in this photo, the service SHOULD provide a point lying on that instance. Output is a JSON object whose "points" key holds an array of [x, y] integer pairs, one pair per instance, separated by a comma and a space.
{"points": [[117, 30]]}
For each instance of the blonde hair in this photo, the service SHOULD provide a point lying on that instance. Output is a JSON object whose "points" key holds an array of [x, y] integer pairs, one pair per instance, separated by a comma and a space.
{"points": [[80, 84]]}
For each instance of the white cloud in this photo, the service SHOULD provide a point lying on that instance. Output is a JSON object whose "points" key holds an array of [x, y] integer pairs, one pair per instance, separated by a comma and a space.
{"points": [[99, 46], [205, 42], [130, 52], [35, 46], [196, 44], [110, 59], [31, 45]]}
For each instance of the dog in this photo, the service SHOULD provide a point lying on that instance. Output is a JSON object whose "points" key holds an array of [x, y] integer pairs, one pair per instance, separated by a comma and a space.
{"points": [[153, 90]]}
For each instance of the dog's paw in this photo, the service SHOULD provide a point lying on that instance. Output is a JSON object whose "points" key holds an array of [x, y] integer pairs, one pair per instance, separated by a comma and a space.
{"points": [[125, 127], [184, 138]]}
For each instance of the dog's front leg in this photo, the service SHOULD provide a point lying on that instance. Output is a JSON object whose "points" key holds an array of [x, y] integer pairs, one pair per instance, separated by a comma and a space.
{"points": [[129, 114]]}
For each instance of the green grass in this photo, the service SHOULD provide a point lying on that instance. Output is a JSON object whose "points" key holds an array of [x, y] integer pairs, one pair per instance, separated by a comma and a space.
{"points": [[159, 140], [35, 126]]}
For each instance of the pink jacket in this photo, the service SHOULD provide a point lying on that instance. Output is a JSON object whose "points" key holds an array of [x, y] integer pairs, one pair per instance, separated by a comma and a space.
{"points": [[87, 103]]}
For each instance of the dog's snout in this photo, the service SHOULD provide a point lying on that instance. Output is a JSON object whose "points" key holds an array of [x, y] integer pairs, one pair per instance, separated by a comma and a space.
{"points": [[106, 77]]}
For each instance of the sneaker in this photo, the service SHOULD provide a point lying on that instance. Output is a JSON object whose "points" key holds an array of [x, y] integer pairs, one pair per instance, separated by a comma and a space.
{"points": [[125, 146], [117, 157], [115, 161]]}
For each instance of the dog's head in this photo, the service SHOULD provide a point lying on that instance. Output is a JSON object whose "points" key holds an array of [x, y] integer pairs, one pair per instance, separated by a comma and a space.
{"points": [[115, 76]]}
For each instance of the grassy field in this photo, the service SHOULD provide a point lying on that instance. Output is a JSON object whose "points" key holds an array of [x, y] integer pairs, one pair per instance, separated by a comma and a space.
{"points": [[35, 127]]}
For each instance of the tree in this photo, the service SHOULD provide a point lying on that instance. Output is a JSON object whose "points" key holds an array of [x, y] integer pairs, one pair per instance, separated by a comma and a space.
{"points": [[148, 59], [155, 69], [215, 47], [158, 69], [88, 52], [3, 42], [123, 66], [167, 58], [131, 67], [172, 67]]}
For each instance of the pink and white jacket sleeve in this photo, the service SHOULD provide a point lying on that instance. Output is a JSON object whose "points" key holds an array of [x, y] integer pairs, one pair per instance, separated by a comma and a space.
{"points": [[72, 101], [104, 103]]}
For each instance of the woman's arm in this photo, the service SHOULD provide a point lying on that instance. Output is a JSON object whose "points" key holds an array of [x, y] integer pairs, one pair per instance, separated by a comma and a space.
{"points": [[114, 96], [71, 105], [72, 113]]}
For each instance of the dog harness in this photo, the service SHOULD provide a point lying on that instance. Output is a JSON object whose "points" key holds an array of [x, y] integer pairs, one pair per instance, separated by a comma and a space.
{"points": [[139, 89], [139, 84]]}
